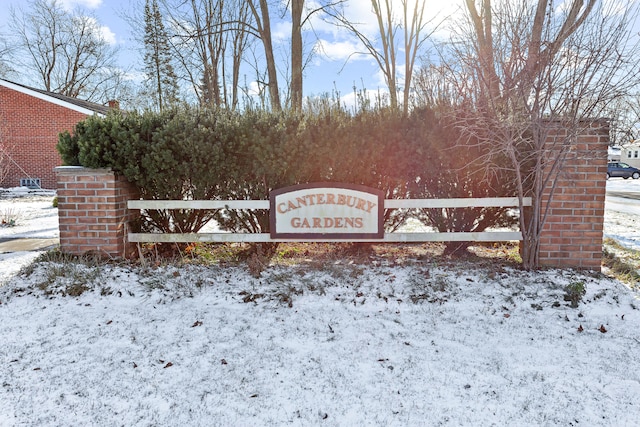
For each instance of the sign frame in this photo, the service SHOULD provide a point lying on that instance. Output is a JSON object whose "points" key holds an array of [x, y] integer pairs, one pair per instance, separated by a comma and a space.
{"points": [[327, 188]]}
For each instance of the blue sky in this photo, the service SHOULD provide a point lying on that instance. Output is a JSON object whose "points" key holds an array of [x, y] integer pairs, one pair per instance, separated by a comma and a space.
{"points": [[334, 67]]}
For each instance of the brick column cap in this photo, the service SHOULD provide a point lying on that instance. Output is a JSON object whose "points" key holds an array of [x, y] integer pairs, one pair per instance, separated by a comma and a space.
{"points": [[77, 170]]}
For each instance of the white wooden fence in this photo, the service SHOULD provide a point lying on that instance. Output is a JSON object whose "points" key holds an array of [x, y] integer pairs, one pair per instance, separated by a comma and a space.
{"points": [[487, 236]]}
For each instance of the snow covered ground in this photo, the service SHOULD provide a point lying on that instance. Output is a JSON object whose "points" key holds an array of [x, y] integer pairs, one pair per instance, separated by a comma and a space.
{"points": [[428, 342], [33, 216], [622, 215]]}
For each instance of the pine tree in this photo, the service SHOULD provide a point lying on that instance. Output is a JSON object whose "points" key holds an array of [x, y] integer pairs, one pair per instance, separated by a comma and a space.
{"points": [[157, 58]]}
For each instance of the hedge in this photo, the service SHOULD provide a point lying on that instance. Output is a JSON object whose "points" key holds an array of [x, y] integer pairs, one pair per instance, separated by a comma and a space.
{"points": [[192, 153]]}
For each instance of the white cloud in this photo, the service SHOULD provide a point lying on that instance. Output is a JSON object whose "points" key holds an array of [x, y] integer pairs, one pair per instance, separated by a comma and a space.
{"points": [[340, 50], [281, 31], [108, 35], [361, 12], [134, 76], [103, 30], [339, 44], [352, 101], [89, 4], [255, 88], [378, 77]]}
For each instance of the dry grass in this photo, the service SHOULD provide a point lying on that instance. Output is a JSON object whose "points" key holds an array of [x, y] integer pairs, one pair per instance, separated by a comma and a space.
{"points": [[623, 263], [8, 217], [320, 255]]}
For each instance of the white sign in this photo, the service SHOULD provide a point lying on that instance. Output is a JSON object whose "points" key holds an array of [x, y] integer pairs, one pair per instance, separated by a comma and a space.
{"points": [[327, 211]]}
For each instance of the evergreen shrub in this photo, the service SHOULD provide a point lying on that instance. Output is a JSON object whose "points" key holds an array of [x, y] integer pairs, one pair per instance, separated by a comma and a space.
{"points": [[217, 154], [445, 166]]}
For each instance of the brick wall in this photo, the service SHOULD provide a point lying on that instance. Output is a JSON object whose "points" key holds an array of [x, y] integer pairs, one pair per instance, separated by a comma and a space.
{"points": [[573, 232], [92, 211], [29, 129], [93, 214]]}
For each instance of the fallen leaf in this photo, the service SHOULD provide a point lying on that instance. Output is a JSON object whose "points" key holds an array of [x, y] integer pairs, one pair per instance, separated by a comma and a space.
{"points": [[224, 361], [109, 322], [197, 323], [507, 315], [580, 328], [168, 365], [602, 329], [134, 365]]}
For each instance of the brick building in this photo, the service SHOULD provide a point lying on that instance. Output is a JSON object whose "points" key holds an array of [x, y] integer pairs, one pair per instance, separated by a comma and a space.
{"points": [[30, 121]]}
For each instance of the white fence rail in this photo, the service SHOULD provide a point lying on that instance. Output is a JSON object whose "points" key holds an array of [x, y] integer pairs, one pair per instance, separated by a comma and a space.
{"points": [[397, 237]]}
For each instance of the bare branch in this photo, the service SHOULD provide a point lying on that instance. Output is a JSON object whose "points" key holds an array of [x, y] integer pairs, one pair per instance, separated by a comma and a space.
{"points": [[65, 49], [523, 73]]}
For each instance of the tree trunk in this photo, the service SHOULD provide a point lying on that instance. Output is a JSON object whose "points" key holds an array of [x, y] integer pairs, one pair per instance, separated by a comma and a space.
{"points": [[272, 74], [296, 54]]}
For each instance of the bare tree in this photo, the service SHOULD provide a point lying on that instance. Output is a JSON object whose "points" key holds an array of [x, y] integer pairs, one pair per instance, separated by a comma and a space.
{"points": [[534, 71], [262, 19], [209, 41], [5, 51], [213, 38], [5, 159], [65, 49], [239, 41], [625, 117], [297, 8], [301, 13], [413, 23]]}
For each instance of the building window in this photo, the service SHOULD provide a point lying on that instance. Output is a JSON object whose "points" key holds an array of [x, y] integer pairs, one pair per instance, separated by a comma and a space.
{"points": [[629, 154], [635, 154], [32, 183]]}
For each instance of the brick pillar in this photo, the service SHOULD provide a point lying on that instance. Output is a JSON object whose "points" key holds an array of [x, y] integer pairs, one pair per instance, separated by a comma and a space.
{"points": [[92, 211], [572, 233]]}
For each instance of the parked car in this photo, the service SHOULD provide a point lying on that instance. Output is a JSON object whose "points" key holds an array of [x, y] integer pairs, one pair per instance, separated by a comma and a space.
{"points": [[622, 170]]}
